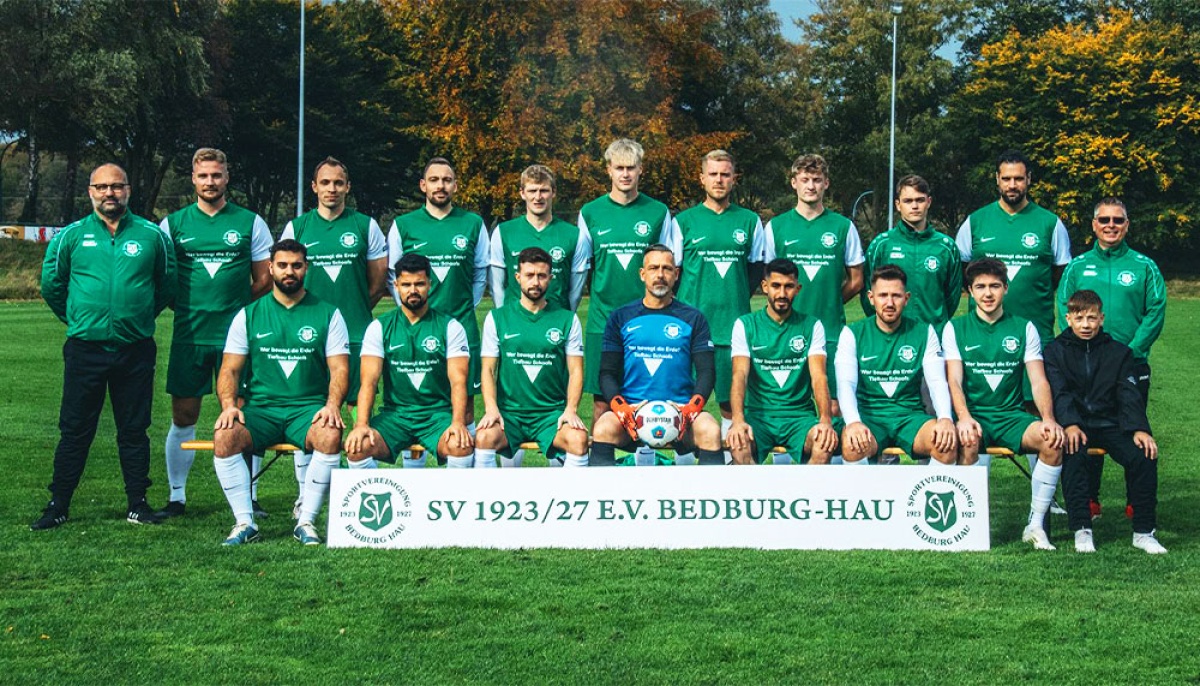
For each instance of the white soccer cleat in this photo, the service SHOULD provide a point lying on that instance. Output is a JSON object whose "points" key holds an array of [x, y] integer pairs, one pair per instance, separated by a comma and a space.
{"points": [[1084, 542], [1037, 536], [1148, 543], [1056, 510]]}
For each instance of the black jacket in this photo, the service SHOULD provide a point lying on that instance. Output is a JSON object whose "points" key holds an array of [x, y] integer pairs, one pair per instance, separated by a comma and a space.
{"points": [[1094, 383]]}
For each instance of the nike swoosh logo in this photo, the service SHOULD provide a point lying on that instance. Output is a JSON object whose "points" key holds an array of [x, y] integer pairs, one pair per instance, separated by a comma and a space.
{"points": [[393, 347], [418, 246], [601, 233], [514, 253], [309, 245], [969, 348], [866, 359], [697, 240], [787, 243], [985, 240], [260, 336], [758, 347], [510, 335], [187, 240], [631, 329]]}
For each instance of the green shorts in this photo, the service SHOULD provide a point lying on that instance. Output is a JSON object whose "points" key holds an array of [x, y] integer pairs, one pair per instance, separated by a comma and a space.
{"points": [[191, 369], [402, 429], [273, 424], [541, 427], [896, 430], [1003, 428], [593, 343], [724, 360], [789, 432]]}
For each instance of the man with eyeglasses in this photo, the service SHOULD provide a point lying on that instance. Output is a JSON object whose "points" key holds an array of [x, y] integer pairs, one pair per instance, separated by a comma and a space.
{"points": [[107, 277], [1134, 296]]}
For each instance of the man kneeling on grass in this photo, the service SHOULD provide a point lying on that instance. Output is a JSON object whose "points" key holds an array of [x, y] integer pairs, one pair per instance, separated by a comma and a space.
{"points": [[295, 352], [1096, 397]]}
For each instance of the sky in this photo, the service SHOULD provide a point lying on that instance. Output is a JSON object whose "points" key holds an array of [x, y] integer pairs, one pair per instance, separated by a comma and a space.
{"points": [[792, 9]]}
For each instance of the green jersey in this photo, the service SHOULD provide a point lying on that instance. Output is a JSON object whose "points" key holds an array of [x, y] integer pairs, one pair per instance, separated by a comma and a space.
{"points": [[779, 382], [714, 251], [569, 252], [618, 235], [531, 350], [1131, 288], [213, 255], [109, 287], [338, 253], [457, 248], [415, 354], [993, 357], [822, 249], [934, 268], [287, 349], [880, 372], [1030, 243]]}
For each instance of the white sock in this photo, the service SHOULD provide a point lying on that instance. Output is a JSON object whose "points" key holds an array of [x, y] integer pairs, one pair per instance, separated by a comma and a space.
{"points": [[368, 463], [471, 429], [179, 461], [406, 455], [485, 459], [316, 484], [855, 463], [836, 459], [519, 456], [301, 459], [1033, 460], [255, 468], [1043, 485], [516, 460], [463, 462], [781, 458], [726, 424], [234, 477], [646, 457], [410, 463], [573, 460], [985, 460], [935, 464]]}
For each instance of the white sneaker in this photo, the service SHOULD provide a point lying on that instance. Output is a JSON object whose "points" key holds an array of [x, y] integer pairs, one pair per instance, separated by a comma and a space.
{"points": [[1037, 536], [1056, 510], [1148, 543], [1084, 542]]}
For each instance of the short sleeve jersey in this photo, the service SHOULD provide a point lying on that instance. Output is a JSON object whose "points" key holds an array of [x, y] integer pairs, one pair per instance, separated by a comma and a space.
{"points": [[286, 362], [779, 382], [658, 346], [619, 234], [714, 251], [456, 246], [993, 358], [934, 268], [890, 365], [559, 238], [821, 248], [531, 350], [415, 378], [213, 255], [338, 253], [1026, 243]]}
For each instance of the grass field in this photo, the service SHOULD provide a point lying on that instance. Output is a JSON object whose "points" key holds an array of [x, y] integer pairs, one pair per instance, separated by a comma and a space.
{"points": [[102, 601]]}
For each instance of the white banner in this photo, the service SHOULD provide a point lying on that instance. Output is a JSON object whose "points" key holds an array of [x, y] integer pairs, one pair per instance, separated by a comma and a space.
{"points": [[797, 507], [41, 234]]}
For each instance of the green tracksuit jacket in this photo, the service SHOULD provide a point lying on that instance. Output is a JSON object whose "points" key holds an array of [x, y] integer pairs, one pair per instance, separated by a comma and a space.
{"points": [[934, 268]]}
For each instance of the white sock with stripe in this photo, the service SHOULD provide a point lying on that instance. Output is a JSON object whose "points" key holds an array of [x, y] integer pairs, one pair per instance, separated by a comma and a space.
{"points": [[316, 484], [1043, 483], [255, 468], [234, 476], [485, 459], [464, 462], [179, 461]]}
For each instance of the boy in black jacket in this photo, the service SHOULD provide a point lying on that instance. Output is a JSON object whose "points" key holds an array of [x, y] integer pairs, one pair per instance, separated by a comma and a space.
{"points": [[1096, 398]]}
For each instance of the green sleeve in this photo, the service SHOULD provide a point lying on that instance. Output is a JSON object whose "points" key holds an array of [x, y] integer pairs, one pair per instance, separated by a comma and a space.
{"points": [[954, 285], [1156, 313], [56, 272], [869, 261], [1065, 290], [165, 280]]}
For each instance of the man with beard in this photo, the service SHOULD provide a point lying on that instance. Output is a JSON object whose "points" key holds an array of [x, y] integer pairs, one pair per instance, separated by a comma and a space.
{"points": [[106, 276], [651, 348], [780, 393], [422, 355], [532, 374], [881, 362], [294, 351], [222, 252]]}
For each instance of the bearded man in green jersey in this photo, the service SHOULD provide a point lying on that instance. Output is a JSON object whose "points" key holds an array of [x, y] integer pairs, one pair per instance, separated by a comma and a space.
{"points": [[422, 355], [780, 393], [294, 351], [881, 362], [1135, 302], [988, 353], [620, 224], [718, 246], [928, 256], [532, 374], [222, 253], [825, 247]]}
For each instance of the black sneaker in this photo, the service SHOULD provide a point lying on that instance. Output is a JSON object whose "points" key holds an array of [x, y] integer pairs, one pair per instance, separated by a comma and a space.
{"points": [[52, 517], [142, 513], [174, 508], [259, 512]]}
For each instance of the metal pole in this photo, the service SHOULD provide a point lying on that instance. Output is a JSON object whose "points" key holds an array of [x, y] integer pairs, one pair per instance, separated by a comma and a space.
{"points": [[854, 207], [896, 9], [300, 126]]}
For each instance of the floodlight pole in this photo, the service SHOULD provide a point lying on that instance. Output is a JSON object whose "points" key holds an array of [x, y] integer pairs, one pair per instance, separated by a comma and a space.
{"points": [[300, 125], [854, 207], [897, 7]]}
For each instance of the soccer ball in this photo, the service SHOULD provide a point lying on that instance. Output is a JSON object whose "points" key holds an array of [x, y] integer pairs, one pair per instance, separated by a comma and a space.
{"points": [[657, 423]]}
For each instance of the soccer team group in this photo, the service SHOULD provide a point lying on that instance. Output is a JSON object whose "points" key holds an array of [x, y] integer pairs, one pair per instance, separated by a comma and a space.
{"points": [[285, 328]]}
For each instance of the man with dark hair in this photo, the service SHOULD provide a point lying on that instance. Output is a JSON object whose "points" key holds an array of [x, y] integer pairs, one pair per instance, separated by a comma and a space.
{"points": [[881, 362], [780, 393], [422, 355], [107, 277], [294, 350], [652, 347], [532, 374], [988, 352], [928, 256]]}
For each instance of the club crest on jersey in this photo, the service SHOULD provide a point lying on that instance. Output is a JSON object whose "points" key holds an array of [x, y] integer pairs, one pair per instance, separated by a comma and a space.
{"points": [[829, 239], [307, 334], [642, 229], [460, 242], [672, 331], [1010, 344], [232, 238], [931, 263], [431, 344], [907, 353], [348, 240], [1126, 278], [1030, 240], [740, 236], [557, 254], [797, 344], [555, 336], [131, 248]]}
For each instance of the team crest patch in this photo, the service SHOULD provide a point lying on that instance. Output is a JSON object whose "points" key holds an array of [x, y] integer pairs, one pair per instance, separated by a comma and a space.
{"points": [[132, 248], [460, 242], [348, 240], [642, 229], [431, 344], [931, 263], [555, 336], [1030, 240], [557, 254], [232, 238], [1010, 344], [740, 236], [797, 344], [307, 334], [1126, 278], [907, 353], [672, 331], [375, 510], [829, 239]]}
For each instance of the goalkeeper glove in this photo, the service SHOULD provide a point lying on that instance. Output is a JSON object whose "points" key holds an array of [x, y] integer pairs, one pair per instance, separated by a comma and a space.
{"points": [[625, 412], [689, 412]]}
